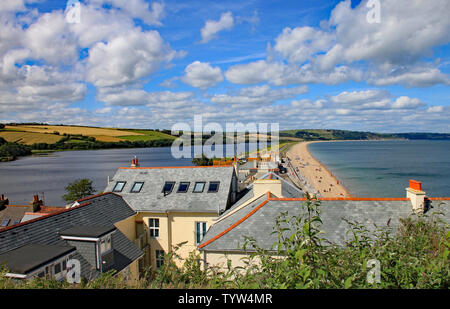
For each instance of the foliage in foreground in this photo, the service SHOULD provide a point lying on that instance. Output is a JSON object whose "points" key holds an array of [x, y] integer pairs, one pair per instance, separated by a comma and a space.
{"points": [[416, 256]]}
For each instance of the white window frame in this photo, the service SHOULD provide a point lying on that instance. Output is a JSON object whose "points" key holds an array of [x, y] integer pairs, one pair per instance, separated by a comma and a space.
{"points": [[153, 228], [203, 229]]}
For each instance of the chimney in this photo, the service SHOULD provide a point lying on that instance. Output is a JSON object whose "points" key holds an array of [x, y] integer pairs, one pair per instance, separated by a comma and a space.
{"points": [[416, 195], [135, 162], [37, 203], [262, 186], [3, 202]]}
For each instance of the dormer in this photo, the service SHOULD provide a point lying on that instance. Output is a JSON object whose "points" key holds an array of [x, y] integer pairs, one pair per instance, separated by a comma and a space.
{"points": [[94, 243]]}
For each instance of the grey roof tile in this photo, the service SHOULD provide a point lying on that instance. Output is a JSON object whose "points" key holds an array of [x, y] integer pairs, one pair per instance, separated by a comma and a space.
{"points": [[151, 198], [261, 224], [103, 210]]}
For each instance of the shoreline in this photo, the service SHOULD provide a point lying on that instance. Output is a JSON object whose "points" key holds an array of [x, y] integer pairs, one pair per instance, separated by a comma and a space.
{"points": [[317, 174]]}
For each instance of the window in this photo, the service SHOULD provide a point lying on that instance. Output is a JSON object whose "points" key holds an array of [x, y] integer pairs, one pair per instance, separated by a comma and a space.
{"points": [[153, 225], [199, 187], [159, 254], [105, 244], [183, 187], [200, 231], [168, 187], [213, 186], [57, 268], [119, 186], [137, 187], [5, 222], [64, 265]]}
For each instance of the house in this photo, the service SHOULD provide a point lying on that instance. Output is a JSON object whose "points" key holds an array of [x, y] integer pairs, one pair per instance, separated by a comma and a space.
{"points": [[93, 232], [255, 218], [15, 214], [174, 205]]}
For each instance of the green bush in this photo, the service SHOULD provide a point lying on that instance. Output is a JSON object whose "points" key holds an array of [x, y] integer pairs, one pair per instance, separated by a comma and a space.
{"points": [[14, 150], [416, 256]]}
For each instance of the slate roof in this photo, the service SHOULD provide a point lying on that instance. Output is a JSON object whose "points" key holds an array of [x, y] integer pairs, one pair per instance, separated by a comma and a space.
{"points": [[151, 198], [101, 210], [258, 219], [13, 214], [88, 231], [32, 256]]}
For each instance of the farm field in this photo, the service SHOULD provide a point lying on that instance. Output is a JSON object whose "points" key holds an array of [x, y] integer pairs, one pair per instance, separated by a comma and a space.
{"points": [[146, 135], [30, 134], [29, 138], [86, 131]]}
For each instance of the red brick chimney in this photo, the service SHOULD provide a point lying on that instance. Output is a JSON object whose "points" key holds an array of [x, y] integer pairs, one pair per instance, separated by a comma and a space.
{"points": [[135, 162], [416, 195], [3, 201], [37, 203]]}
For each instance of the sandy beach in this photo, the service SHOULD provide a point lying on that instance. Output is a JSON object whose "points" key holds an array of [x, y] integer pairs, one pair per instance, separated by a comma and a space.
{"points": [[318, 176]]}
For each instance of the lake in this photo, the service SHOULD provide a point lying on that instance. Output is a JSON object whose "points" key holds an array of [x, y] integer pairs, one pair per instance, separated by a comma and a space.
{"points": [[383, 168], [49, 175]]}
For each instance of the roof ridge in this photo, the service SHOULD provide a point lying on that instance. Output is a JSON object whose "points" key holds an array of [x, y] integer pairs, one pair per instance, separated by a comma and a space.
{"points": [[95, 196]]}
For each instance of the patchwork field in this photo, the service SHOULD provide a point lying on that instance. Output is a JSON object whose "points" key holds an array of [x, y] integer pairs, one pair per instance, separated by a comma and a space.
{"points": [[29, 138], [146, 135], [86, 131], [30, 134]]}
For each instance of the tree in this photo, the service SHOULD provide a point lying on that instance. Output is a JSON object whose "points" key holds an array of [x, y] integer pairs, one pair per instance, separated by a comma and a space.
{"points": [[14, 150], [78, 189], [202, 161], [2, 126]]}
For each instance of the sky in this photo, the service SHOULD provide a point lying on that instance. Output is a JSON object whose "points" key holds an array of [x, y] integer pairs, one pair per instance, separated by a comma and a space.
{"points": [[370, 65]]}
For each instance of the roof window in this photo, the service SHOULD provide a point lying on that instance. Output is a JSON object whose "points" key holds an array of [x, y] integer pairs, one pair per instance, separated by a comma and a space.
{"points": [[168, 187], [183, 187], [119, 186], [199, 187], [137, 187], [213, 186]]}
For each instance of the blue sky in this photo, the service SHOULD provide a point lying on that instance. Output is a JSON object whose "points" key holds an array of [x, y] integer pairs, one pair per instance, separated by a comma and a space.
{"points": [[302, 64]]}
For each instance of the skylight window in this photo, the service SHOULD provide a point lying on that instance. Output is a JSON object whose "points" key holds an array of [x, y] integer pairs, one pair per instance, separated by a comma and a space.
{"points": [[137, 187], [213, 186], [168, 187], [5, 222], [119, 186], [183, 187], [199, 187]]}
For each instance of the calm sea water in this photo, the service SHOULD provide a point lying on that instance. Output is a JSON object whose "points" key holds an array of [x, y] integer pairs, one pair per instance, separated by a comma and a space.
{"points": [[49, 175], [383, 168]]}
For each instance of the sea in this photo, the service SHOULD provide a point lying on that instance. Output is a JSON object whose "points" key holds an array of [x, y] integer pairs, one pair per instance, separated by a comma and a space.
{"points": [[383, 168]]}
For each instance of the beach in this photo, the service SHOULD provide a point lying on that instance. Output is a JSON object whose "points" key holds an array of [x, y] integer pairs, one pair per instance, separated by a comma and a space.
{"points": [[317, 175]]}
